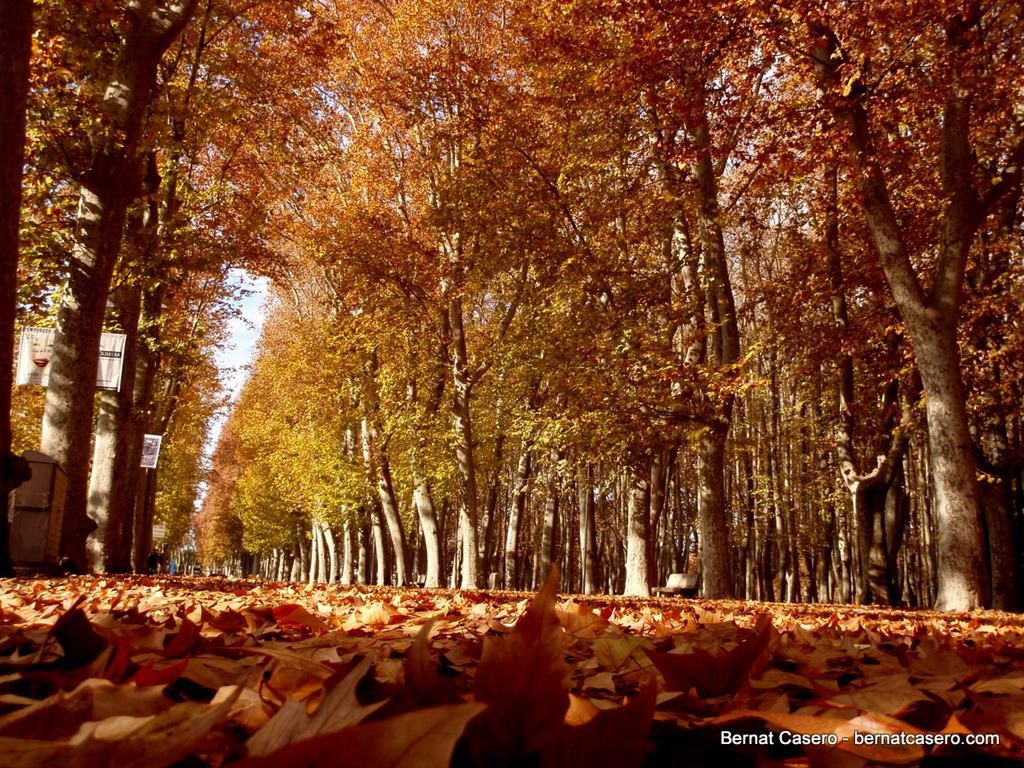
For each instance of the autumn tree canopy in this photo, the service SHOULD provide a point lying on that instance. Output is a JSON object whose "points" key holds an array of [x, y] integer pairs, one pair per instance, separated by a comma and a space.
{"points": [[713, 289]]}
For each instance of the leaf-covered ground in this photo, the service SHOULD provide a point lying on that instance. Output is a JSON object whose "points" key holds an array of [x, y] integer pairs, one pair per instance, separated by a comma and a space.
{"points": [[153, 672]]}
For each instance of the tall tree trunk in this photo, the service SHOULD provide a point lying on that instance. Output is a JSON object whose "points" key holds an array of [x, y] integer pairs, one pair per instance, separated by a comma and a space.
{"points": [[110, 486], [144, 507], [304, 561], [347, 564], [931, 316], [332, 554], [143, 418], [378, 471], [724, 351], [963, 581], [120, 428], [549, 530], [378, 475], [323, 561], [515, 515], [393, 517], [1002, 539], [638, 522], [996, 438], [462, 387], [660, 467], [453, 580], [751, 534], [108, 185], [490, 509], [380, 552], [15, 53], [877, 497], [424, 501], [587, 530], [363, 545], [712, 512]]}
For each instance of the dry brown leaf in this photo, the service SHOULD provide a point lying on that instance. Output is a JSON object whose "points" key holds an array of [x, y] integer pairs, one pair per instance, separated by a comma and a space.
{"points": [[419, 739], [524, 679], [339, 709], [59, 716], [713, 675]]}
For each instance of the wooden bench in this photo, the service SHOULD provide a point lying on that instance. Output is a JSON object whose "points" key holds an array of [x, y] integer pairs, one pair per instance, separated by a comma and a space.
{"points": [[678, 585]]}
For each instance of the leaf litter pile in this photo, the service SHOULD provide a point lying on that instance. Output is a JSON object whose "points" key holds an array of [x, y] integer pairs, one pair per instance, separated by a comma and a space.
{"points": [[153, 672]]}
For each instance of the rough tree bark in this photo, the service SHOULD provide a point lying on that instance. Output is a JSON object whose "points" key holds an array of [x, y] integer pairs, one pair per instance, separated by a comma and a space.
{"points": [[109, 483], [378, 473], [462, 387], [15, 54], [550, 524], [487, 541], [515, 515], [878, 498], [638, 526], [587, 530], [345, 576], [725, 352]]}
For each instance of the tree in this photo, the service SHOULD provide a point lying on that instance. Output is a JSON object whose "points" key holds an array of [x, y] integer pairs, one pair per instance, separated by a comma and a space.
{"points": [[109, 178], [930, 299], [15, 52]]}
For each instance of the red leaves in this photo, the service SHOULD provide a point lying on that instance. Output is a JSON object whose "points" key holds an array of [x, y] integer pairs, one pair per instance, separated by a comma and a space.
{"points": [[183, 641], [291, 615], [571, 683], [164, 674]]}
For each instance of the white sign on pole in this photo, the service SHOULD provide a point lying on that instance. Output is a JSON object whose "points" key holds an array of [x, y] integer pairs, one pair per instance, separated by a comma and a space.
{"points": [[36, 350], [159, 532], [108, 374], [150, 451]]}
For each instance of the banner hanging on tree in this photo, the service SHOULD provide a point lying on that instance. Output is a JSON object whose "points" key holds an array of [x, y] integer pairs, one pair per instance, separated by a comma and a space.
{"points": [[36, 351], [150, 451]]}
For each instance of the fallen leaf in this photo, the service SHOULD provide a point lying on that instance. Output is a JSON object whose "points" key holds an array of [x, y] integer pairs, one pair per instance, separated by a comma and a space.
{"points": [[339, 709], [524, 679], [713, 675], [617, 738], [425, 737]]}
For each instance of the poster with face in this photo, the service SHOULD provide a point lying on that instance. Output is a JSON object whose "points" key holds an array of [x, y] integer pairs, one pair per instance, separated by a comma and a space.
{"points": [[150, 451], [34, 356], [36, 350]]}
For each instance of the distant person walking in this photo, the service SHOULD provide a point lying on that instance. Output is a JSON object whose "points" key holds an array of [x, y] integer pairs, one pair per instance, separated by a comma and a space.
{"points": [[153, 562]]}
